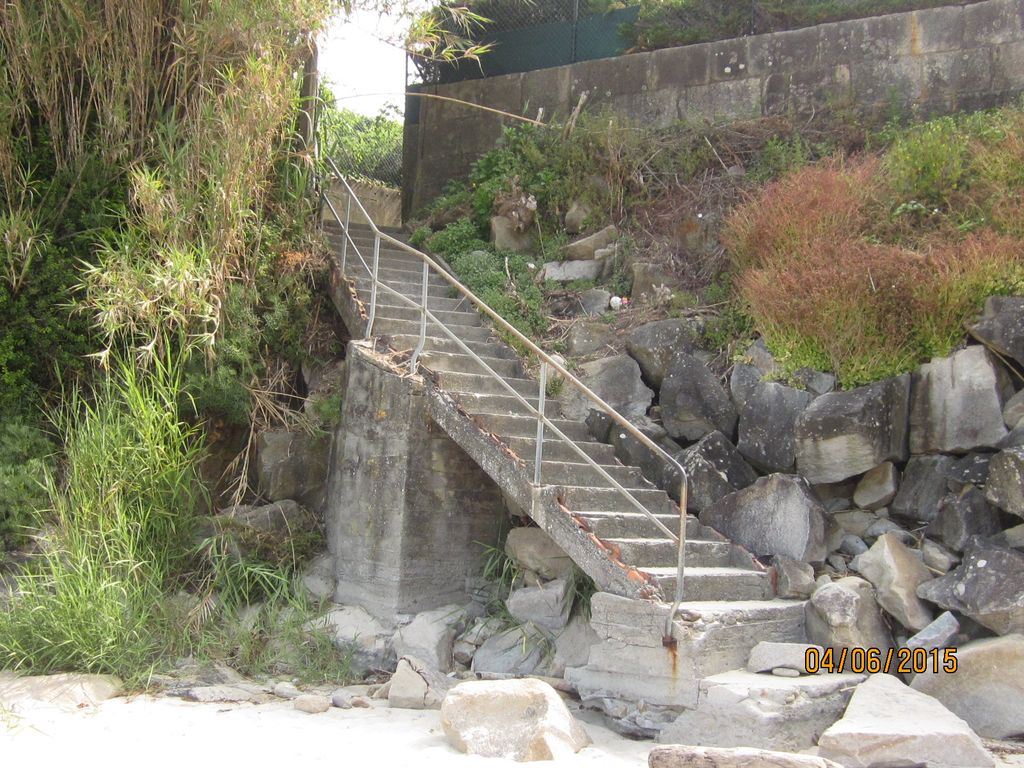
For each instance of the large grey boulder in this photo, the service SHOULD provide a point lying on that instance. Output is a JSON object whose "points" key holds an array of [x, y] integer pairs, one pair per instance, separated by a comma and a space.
{"points": [[506, 235], [430, 636], [572, 645], [714, 468], [987, 688], [417, 685], [654, 345], [878, 487], [941, 633], [587, 338], [890, 724], [988, 586], [740, 708], [767, 425], [972, 469], [522, 720], [546, 605], [957, 403], [896, 573], [922, 489], [630, 451], [742, 382], [844, 614], [686, 756], [518, 651], [777, 515], [793, 579], [293, 465], [571, 271], [962, 516], [533, 550], [354, 630], [616, 380], [693, 402], [594, 301], [585, 248], [843, 434], [1013, 411], [1005, 484], [1001, 326]]}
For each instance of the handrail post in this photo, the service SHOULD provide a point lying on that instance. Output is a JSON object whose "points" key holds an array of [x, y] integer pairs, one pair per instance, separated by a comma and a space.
{"points": [[414, 360], [344, 242], [681, 561], [539, 452], [373, 283]]}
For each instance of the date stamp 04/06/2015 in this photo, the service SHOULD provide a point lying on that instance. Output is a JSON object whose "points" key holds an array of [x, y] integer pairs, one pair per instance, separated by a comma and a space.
{"points": [[871, 660]]}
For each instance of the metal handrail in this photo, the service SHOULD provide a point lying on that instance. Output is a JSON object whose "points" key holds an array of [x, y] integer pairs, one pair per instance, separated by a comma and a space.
{"points": [[546, 361]]}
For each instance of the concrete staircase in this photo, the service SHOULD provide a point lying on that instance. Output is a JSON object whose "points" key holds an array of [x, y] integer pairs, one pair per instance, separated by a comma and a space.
{"points": [[728, 595]]}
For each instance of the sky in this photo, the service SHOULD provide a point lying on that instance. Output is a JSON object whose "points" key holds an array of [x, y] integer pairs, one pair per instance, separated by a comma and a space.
{"points": [[365, 73]]}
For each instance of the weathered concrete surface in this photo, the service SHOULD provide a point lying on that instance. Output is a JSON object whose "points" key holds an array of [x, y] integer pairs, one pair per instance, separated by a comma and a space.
{"points": [[938, 60], [630, 663], [743, 709], [406, 506]]}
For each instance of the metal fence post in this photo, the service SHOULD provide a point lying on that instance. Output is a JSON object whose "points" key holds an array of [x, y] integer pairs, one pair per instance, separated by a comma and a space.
{"points": [[539, 453], [423, 322], [575, 30], [344, 242], [373, 283]]}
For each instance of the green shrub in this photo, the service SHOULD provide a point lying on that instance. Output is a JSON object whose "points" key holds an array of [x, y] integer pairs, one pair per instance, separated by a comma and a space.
{"points": [[25, 464], [928, 163], [119, 530]]}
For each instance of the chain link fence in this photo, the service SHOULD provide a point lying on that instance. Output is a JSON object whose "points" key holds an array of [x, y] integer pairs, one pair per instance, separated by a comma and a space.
{"points": [[363, 147], [524, 36]]}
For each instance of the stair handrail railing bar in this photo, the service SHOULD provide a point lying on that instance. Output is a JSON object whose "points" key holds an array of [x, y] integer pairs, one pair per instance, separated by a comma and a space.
{"points": [[543, 357]]}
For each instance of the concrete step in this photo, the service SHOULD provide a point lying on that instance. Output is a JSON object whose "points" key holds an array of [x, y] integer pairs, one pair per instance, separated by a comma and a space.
{"points": [[626, 525], [569, 473], [725, 584], [522, 426], [434, 303], [460, 317], [484, 384], [446, 362], [391, 260], [611, 499], [488, 350], [663, 553], [557, 450], [412, 275], [383, 324], [502, 405], [412, 290]]}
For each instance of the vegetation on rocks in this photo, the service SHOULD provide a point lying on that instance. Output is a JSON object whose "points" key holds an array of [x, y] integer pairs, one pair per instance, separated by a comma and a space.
{"points": [[851, 248], [866, 266]]}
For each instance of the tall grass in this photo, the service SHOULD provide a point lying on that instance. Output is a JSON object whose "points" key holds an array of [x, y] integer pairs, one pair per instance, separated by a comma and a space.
{"points": [[116, 532]]}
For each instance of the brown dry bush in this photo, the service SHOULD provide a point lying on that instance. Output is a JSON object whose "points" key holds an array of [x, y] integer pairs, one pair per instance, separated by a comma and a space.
{"points": [[822, 202], [826, 293]]}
